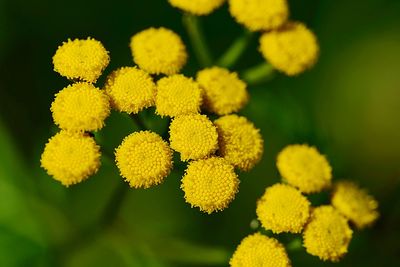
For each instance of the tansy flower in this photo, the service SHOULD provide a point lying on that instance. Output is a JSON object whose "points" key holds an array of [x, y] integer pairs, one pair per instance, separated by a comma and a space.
{"points": [[283, 208], [291, 49], [210, 184], [260, 250], [71, 157], [197, 7], [81, 59], [80, 107], [194, 136], [304, 167], [240, 143], [144, 159], [224, 92], [158, 51]]}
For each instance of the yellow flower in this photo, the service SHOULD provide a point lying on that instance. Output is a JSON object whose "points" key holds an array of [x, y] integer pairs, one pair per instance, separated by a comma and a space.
{"points": [[197, 7], [144, 159], [224, 92], [80, 107], [327, 235], [158, 51], [258, 250], [81, 59], [177, 95], [355, 203], [130, 89], [259, 15], [304, 167], [283, 208], [71, 157], [240, 142], [291, 49], [210, 184]]}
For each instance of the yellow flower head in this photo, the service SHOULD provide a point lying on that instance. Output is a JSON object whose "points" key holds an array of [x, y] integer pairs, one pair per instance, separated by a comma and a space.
{"points": [[327, 235], [81, 59], [177, 95], [224, 92], [71, 157], [80, 107], [240, 143], [291, 49], [197, 7], [259, 15], [283, 208], [144, 159], [158, 51], [194, 136], [304, 167], [355, 203], [130, 89], [210, 184], [261, 251]]}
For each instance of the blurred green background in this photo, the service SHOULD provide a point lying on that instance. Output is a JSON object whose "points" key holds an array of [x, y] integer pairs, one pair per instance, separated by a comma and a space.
{"points": [[348, 106]]}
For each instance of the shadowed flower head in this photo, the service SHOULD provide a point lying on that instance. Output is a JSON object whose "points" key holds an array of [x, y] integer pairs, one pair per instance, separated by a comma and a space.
{"points": [[197, 7]]}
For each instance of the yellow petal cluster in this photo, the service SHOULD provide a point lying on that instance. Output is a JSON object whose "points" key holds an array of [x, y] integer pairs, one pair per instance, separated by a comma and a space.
{"points": [[197, 7]]}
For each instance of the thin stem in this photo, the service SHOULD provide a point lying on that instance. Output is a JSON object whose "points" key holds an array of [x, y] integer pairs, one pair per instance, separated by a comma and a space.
{"points": [[235, 51], [258, 74], [139, 123]]}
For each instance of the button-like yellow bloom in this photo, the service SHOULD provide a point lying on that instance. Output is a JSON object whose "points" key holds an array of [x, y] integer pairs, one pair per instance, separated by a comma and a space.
{"points": [[71, 157], [81, 59], [304, 167], [283, 208], [130, 89], [224, 92], [197, 7], [240, 142], [80, 107], [158, 51], [327, 235], [178, 95], [261, 251], [355, 203], [210, 184], [144, 159], [291, 49]]}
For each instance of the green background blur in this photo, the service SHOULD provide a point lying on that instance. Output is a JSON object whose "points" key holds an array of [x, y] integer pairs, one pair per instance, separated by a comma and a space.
{"points": [[348, 106]]}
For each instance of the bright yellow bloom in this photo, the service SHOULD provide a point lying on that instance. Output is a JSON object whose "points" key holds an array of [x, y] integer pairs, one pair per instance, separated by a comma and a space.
{"points": [[355, 203], [130, 89], [240, 142], [283, 208], [291, 49], [224, 92], [304, 167], [197, 7], [210, 184], [194, 136], [71, 157], [80, 107], [177, 95], [158, 51], [144, 159], [327, 235], [81, 59], [258, 250]]}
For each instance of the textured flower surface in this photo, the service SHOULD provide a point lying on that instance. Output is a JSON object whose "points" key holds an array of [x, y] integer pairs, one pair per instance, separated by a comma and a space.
{"points": [[197, 7]]}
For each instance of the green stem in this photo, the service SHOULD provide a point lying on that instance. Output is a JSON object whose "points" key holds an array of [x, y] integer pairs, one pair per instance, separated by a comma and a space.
{"points": [[139, 123], [235, 51], [258, 74]]}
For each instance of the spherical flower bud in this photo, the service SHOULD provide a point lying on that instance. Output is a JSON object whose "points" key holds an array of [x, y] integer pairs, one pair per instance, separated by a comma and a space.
{"points": [[197, 7]]}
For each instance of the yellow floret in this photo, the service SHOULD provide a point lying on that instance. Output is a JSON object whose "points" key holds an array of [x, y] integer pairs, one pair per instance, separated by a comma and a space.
{"points": [[240, 142], [258, 250], [283, 208], [197, 7], [81, 59], [291, 49], [71, 157], [224, 92], [304, 167], [259, 15], [177, 95], [130, 89], [80, 107], [144, 159], [210, 184], [355, 203], [158, 51], [327, 235]]}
